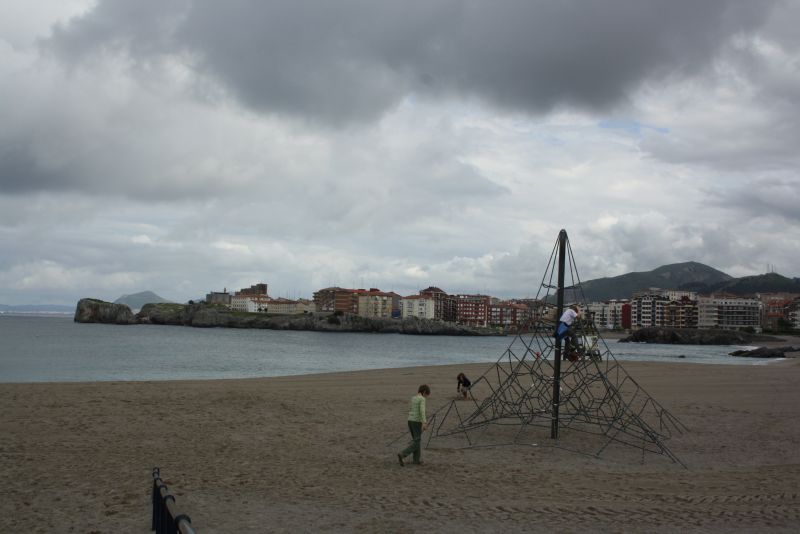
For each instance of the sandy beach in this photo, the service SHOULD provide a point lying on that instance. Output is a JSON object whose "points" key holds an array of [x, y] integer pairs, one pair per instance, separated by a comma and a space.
{"points": [[309, 453]]}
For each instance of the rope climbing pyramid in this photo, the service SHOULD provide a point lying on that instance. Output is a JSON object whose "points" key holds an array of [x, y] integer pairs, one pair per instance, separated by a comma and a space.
{"points": [[571, 389]]}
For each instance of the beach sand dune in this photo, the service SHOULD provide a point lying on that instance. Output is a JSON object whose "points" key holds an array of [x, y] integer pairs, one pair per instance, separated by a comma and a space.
{"points": [[310, 453]]}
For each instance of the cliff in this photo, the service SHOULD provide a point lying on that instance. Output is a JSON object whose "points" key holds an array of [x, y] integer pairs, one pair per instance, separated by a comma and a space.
{"points": [[203, 315], [98, 311]]}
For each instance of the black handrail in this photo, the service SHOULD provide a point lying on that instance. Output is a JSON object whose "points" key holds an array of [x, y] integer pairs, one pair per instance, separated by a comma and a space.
{"points": [[166, 518]]}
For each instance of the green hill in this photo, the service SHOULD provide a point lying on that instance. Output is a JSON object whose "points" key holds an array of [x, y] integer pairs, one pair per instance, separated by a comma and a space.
{"points": [[673, 276], [748, 285], [135, 301]]}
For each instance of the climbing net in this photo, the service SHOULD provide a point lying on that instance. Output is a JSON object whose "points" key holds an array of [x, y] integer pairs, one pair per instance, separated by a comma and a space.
{"points": [[599, 403]]}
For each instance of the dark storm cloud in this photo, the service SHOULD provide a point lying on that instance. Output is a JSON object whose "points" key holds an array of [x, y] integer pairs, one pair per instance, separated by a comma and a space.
{"points": [[351, 60], [20, 170], [27, 168]]}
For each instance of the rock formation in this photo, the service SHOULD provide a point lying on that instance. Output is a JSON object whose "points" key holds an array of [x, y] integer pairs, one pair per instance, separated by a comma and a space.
{"points": [[766, 352], [98, 311], [692, 336]]}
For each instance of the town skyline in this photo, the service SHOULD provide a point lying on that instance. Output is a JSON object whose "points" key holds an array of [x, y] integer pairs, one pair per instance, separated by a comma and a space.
{"points": [[295, 295]]}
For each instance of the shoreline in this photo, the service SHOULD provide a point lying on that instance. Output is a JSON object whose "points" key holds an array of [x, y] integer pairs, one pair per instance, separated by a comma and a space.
{"points": [[310, 452], [754, 362]]}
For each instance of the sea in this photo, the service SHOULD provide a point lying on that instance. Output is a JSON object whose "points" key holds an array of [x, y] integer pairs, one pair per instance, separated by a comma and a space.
{"points": [[56, 349]]}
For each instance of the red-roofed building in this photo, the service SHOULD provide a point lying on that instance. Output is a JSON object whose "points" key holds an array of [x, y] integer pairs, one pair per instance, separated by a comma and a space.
{"points": [[472, 310], [337, 299]]}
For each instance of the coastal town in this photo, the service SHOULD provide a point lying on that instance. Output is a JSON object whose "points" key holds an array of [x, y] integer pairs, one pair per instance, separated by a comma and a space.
{"points": [[651, 307]]}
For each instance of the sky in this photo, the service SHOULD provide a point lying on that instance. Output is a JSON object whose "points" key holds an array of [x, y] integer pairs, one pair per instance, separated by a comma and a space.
{"points": [[190, 146]]}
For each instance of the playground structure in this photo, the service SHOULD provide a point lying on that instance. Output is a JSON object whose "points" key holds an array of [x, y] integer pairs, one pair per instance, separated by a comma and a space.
{"points": [[577, 391]]}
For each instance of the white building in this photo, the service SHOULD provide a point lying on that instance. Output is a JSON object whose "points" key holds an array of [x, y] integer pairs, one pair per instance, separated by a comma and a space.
{"points": [[250, 303], [647, 310], [378, 304], [607, 315], [598, 311], [418, 306], [728, 312]]}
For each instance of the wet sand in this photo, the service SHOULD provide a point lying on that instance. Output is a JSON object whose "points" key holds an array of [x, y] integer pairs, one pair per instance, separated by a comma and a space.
{"points": [[310, 453]]}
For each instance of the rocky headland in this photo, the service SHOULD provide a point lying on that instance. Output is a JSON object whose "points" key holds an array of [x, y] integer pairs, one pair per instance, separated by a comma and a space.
{"points": [[203, 315], [98, 311]]}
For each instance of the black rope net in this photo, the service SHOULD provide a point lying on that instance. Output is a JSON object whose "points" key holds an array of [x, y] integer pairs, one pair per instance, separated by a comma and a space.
{"points": [[600, 405]]}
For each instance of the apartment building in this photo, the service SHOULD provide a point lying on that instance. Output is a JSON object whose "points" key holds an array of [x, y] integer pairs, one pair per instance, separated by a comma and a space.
{"points": [[419, 306], [647, 310], [444, 304], [509, 315], [609, 314], [536, 308], [775, 309], [728, 312], [472, 310], [662, 307], [325, 299], [378, 304], [333, 299], [680, 313], [794, 314]]}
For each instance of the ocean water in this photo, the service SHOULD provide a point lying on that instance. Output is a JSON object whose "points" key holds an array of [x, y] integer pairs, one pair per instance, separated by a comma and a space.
{"points": [[56, 349]]}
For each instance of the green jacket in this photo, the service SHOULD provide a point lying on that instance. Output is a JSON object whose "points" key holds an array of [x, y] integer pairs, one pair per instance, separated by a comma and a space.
{"points": [[417, 410]]}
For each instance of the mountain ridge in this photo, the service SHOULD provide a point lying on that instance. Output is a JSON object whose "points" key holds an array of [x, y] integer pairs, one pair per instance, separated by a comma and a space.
{"points": [[748, 285], [671, 276]]}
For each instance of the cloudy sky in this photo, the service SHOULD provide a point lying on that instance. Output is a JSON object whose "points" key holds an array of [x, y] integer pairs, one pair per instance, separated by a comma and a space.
{"points": [[190, 145]]}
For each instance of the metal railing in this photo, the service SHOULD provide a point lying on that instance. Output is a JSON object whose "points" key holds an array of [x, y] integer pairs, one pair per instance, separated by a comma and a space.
{"points": [[166, 517]]}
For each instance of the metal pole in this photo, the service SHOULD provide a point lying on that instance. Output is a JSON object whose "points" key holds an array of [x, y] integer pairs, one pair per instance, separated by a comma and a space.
{"points": [[562, 249]]}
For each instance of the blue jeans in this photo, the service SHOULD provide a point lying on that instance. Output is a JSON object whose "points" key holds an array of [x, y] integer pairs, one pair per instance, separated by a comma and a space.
{"points": [[566, 333]]}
